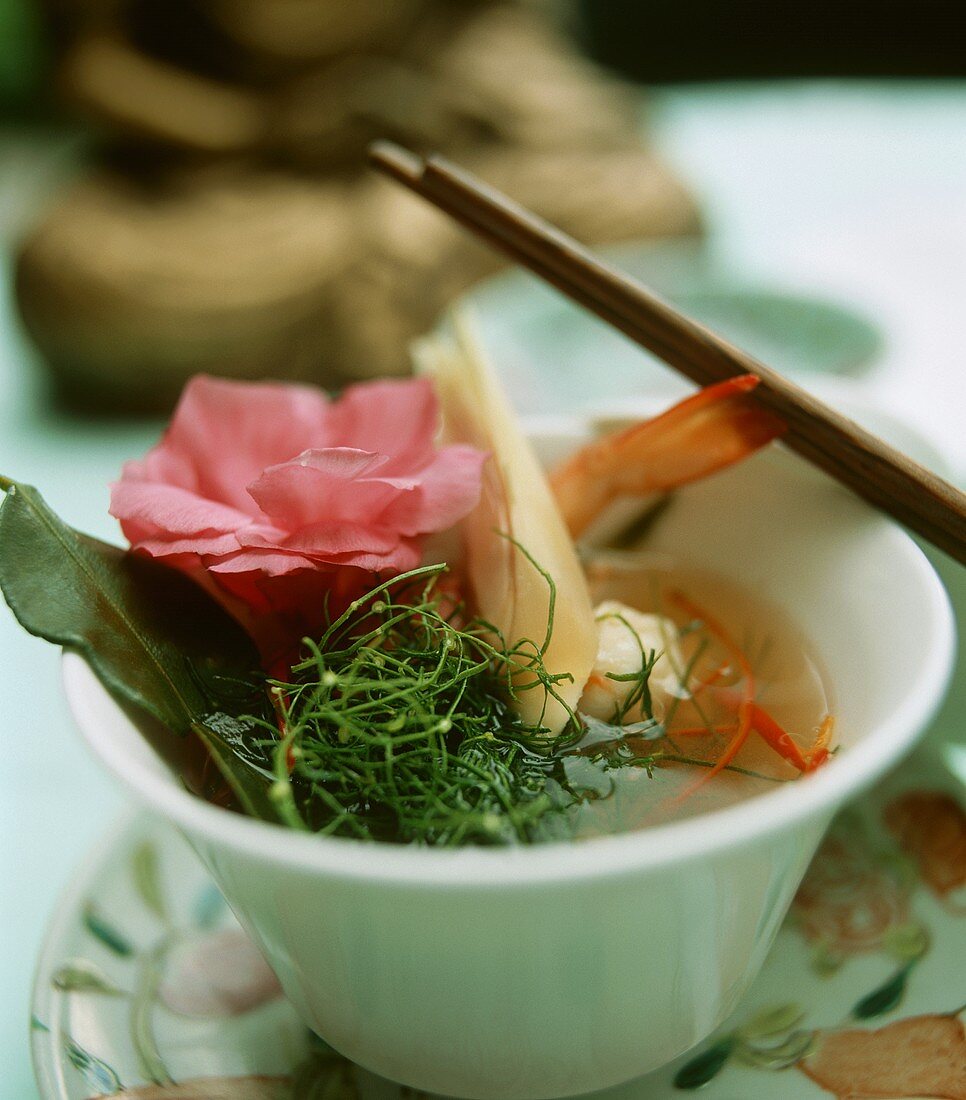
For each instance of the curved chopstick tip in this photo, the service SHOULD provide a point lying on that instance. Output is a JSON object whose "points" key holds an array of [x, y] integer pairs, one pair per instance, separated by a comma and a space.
{"points": [[392, 159]]}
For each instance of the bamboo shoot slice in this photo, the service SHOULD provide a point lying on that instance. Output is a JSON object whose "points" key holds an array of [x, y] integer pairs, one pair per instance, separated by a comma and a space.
{"points": [[517, 510]]}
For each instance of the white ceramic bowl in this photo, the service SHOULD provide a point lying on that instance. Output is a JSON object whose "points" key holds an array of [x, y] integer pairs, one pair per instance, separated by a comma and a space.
{"points": [[565, 968]]}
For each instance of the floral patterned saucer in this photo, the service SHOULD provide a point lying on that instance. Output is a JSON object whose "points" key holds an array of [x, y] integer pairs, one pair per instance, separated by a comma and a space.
{"points": [[147, 987]]}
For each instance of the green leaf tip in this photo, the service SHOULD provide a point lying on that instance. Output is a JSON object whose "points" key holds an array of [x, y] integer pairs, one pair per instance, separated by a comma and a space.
{"points": [[155, 639]]}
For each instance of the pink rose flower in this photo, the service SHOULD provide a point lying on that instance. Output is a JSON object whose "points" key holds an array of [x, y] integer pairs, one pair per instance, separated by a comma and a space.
{"points": [[280, 496]]}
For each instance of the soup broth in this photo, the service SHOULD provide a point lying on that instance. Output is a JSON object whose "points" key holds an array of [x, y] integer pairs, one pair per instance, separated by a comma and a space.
{"points": [[699, 718]]}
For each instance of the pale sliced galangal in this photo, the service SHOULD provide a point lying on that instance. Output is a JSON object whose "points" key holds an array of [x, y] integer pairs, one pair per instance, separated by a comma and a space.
{"points": [[517, 509]]}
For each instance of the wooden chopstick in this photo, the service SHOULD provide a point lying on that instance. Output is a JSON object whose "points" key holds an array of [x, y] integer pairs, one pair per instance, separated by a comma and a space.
{"points": [[886, 477]]}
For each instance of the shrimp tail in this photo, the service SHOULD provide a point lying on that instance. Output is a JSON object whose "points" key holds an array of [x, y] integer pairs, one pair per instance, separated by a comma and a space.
{"points": [[710, 430]]}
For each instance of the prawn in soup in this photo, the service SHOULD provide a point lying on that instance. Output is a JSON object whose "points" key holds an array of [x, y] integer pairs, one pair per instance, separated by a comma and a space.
{"points": [[703, 694]]}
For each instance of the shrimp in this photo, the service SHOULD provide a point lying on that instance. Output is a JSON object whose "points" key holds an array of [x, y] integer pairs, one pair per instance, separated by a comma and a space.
{"points": [[712, 429], [704, 433], [625, 640]]}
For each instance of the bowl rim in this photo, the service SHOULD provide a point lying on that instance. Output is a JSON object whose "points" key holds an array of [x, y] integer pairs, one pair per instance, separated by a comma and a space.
{"points": [[349, 859]]}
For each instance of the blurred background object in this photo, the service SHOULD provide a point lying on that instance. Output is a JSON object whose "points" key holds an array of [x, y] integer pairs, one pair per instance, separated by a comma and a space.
{"points": [[229, 224], [23, 56], [742, 39]]}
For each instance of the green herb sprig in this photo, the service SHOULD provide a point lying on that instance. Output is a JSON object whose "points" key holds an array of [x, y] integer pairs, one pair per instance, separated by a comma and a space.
{"points": [[398, 725]]}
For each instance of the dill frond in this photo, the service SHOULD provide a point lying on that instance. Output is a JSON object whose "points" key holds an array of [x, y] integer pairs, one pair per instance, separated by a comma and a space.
{"points": [[398, 725]]}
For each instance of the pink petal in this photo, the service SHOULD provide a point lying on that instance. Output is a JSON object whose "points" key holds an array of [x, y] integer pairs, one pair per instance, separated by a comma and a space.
{"points": [[398, 417], [165, 513], [244, 587], [320, 486], [328, 540], [270, 561], [406, 555], [213, 546], [297, 602], [224, 434], [339, 462], [279, 561], [440, 494]]}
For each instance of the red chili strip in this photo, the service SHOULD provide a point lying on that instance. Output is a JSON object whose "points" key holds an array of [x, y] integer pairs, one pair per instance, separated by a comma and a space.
{"points": [[689, 607], [818, 754], [773, 734], [731, 750], [770, 731], [710, 680]]}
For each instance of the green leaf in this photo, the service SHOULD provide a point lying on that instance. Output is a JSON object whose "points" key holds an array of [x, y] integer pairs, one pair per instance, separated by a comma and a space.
{"points": [[699, 1071], [155, 639], [104, 931], [228, 739], [96, 1073], [147, 877], [150, 633], [587, 776], [81, 976], [885, 998]]}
